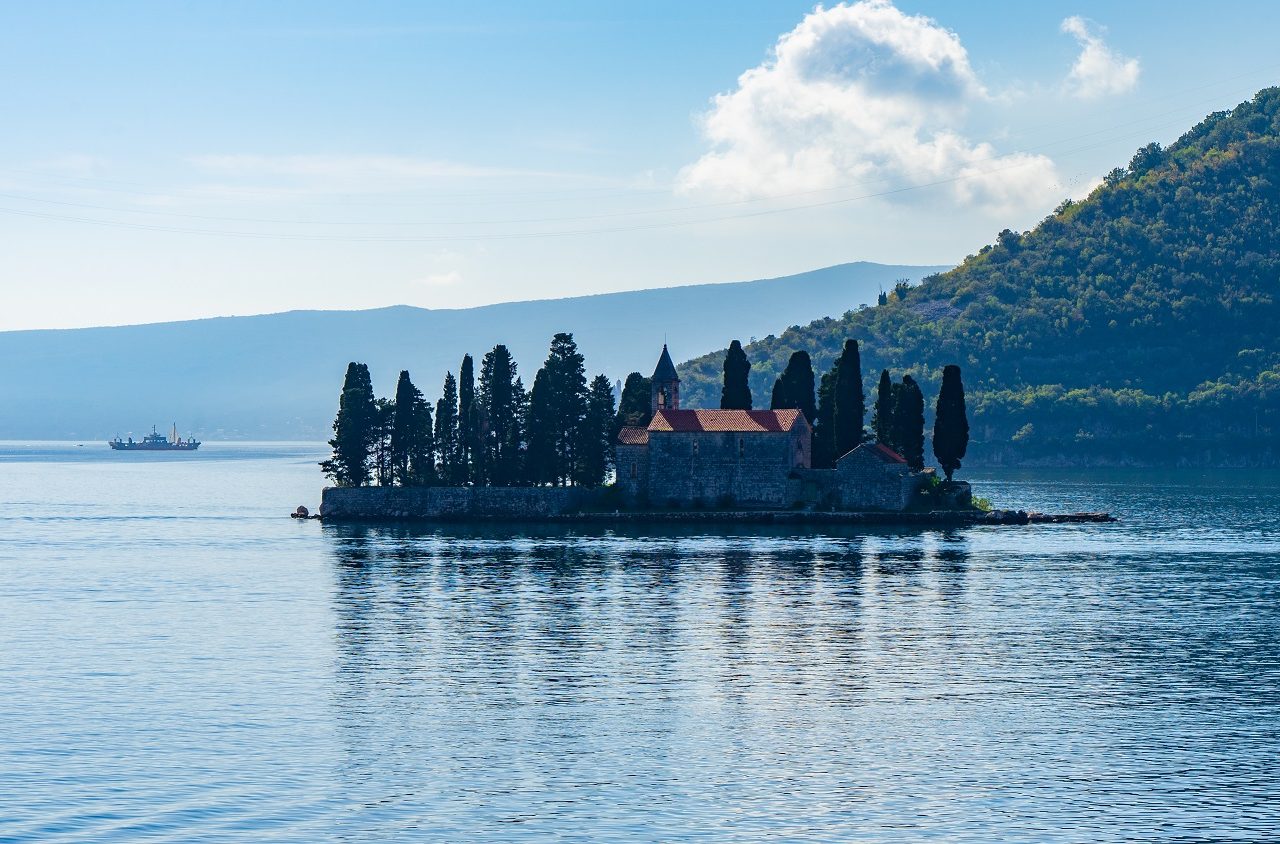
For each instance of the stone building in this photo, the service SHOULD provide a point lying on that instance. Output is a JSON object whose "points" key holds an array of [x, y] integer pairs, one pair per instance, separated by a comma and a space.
{"points": [[747, 459]]}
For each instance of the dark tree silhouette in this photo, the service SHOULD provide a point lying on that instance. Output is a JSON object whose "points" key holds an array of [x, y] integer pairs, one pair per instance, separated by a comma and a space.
{"points": [[452, 470], [595, 444], [908, 423], [353, 430], [540, 424], [501, 419], [635, 408], [794, 388], [736, 393], [567, 398], [468, 421], [882, 415], [950, 422], [778, 399], [411, 443], [824, 447], [850, 405]]}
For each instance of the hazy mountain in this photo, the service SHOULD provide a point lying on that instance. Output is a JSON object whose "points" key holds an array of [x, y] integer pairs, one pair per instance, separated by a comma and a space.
{"points": [[278, 376], [1140, 325]]}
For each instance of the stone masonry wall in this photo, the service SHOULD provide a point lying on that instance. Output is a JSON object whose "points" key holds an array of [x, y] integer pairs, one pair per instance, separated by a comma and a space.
{"points": [[441, 503], [867, 483], [724, 469], [633, 473]]}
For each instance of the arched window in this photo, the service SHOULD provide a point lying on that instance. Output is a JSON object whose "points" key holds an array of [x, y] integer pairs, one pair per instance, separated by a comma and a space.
{"points": [[633, 471], [742, 447]]}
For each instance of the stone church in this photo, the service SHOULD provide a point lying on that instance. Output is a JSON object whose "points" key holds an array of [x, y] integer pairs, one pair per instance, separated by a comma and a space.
{"points": [[747, 459]]}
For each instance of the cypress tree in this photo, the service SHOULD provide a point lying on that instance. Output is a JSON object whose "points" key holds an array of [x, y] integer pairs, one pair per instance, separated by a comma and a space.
{"points": [[411, 443], [635, 407], [540, 425], [354, 429], [824, 448], [452, 469], [402, 426], [908, 423], [567, 397], [882, 415], [850, 405], [794, 388], [595, 445], [736, 393], [467, 419], [778, 399], [950, 422], [500, 435]]}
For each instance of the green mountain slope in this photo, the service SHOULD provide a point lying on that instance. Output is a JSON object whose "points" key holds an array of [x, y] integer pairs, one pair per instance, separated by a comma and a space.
{"points": [[1140, 325]]}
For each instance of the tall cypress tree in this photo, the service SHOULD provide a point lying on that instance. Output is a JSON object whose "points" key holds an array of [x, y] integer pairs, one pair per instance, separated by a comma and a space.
{"points": [[850, 403], [635, 407], [908, 423], [778, 399], [736, 393], [950, 422], [411, 444], [468, 423], [354, 429], [452, 470], [794, 388], [824, 447], [540, 427], [402, 426], [567, 396], [501, 424], [882, 415], [595, 445]]}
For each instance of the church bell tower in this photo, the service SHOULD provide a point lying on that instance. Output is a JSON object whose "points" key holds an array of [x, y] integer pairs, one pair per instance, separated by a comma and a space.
{"points": [[665, 385]]}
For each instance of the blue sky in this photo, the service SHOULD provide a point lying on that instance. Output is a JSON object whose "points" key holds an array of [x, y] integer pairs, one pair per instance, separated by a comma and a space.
{"points": [[176, 160]]}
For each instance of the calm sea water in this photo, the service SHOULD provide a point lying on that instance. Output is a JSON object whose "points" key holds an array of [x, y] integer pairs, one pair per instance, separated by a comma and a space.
{"points": [[179, 661]]}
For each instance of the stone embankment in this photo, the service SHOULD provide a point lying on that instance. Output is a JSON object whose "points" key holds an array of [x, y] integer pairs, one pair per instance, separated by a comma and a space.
{"points": [[572, 505]]}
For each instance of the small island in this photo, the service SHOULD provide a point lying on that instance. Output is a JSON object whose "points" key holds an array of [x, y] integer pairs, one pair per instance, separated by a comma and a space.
{"points": [[567, 451]]}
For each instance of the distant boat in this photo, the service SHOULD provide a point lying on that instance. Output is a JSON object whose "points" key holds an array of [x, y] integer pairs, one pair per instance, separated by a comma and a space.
{"points": [[156, 442]]}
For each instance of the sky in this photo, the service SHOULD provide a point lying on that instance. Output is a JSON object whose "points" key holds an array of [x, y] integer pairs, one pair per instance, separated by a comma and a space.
{"points": [[177, 160]]}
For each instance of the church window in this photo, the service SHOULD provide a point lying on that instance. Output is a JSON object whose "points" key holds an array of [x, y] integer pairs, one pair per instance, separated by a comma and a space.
{"points": [[742, 448], [695, 448], [633, 470]]}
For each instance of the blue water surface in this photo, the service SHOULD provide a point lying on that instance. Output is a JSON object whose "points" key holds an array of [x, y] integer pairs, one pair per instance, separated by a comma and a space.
{"points": [[179, 661]]}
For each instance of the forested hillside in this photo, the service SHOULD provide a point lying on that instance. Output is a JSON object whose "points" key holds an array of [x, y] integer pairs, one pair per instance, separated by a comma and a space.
{"points": [[1140, 325]]}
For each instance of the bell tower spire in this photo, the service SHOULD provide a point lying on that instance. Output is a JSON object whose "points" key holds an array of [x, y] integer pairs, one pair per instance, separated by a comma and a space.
{"points": [[665, 389]]}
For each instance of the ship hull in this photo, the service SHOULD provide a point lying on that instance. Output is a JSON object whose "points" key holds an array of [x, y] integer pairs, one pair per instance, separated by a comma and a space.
{"points": [[118, 446]]}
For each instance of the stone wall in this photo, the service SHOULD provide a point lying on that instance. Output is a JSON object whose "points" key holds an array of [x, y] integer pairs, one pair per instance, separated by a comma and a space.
{"points": [[443, 503], [725, 469], [862, 481], [633, 473]]}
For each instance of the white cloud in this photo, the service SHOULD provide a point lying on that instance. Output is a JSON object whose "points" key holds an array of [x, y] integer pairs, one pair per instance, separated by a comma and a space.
{"points": [[1097, 70], [860, 94]]}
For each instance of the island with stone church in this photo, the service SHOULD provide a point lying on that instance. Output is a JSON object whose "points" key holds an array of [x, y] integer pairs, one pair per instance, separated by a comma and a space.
{"points": [[570, 450]]}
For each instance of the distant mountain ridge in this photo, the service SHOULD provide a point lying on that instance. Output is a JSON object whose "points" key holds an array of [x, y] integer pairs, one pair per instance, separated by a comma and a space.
{"points": [[277, 376], [1141, 325]]}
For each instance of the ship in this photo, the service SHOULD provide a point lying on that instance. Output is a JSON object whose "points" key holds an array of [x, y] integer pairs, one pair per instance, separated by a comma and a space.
{"points": [[155, 442]]}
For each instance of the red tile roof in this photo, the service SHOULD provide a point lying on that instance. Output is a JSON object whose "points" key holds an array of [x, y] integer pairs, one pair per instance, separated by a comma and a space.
{"points": [[726, 421], [631, 435], [883, 452]]}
